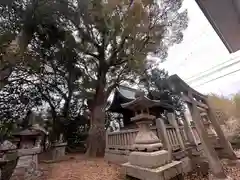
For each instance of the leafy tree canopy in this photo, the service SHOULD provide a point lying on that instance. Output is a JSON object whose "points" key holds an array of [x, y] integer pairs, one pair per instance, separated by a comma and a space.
{"points": [[68, 50]]}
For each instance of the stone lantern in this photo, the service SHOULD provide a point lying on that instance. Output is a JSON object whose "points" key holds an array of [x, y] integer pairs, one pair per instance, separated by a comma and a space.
{"points": [[29, 148], [148, 161]]}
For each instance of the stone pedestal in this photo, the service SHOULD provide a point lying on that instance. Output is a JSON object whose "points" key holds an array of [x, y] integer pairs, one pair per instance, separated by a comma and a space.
{"points": [[27, 166], [153, 165], [58, 151], [164, 172]]}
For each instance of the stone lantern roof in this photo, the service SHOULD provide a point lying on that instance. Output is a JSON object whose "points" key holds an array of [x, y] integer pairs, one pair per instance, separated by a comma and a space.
{"points": [[39, 128], [34, 130], [140, 103]]}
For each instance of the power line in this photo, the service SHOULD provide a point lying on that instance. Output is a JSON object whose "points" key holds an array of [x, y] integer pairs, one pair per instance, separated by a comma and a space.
{"points": [[210, 73], [197, 75], [217, 78]]}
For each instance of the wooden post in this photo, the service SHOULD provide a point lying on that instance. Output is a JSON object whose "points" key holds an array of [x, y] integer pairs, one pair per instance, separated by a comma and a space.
{"points": [[162, 132], [173, 121], [214, 162], [223, 140]]}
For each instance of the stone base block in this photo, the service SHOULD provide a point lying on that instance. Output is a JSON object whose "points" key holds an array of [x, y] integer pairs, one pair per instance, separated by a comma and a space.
{"points": [[149, 159], [186, 165], [165, 172], [116, 158]]}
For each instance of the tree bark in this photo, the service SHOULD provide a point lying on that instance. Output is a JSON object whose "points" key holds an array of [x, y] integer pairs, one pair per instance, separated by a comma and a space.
{"points": [[96, 136], [54, 136]]}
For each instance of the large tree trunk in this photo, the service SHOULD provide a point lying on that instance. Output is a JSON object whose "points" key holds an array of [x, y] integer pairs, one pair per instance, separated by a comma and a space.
{"points": [[96, 136]]}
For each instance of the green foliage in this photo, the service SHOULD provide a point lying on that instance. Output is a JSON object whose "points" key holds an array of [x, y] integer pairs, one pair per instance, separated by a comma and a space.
{"points": [[15, 101], [6, 128], [77, 132], [22, 21], [115, 39]]}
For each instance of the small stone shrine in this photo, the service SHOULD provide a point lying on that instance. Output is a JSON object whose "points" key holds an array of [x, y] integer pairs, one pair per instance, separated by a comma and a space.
{"points": [[148, 161], [58, 148]]}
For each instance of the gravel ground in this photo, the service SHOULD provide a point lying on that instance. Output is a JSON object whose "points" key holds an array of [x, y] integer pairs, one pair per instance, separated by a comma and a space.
{"points": [[80, 168], [233, 171]]}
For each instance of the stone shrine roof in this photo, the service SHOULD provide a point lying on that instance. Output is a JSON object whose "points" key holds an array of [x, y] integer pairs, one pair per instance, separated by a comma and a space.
{"points": [[33, 130], [124, 95], [140, 103]]}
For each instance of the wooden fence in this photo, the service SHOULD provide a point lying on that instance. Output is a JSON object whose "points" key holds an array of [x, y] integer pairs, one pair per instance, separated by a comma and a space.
{"points": [[124, 139]]}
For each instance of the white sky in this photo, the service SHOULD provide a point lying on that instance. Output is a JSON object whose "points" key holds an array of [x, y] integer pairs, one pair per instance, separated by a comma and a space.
{"points": [[200, 50]]}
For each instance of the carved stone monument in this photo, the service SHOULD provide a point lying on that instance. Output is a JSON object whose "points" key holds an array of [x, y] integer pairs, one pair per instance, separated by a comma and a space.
{"points": [[148, 161]]}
